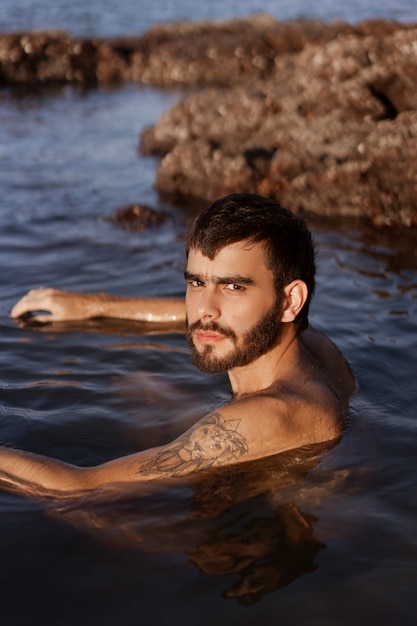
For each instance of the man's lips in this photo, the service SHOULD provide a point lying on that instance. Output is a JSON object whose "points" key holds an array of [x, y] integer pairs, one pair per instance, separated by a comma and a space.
{"points": [[208, 336]]}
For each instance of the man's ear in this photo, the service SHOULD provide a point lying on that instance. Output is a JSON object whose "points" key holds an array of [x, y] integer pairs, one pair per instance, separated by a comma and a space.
{"points": [[295, 295]]}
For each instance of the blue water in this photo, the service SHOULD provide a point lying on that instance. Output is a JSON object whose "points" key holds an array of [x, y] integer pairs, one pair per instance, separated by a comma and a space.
{"points": [[115, 17], [332, 543]]}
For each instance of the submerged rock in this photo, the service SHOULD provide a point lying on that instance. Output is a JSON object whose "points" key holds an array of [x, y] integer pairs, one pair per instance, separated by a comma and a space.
{"points": [[137, 217], [322, 117]]}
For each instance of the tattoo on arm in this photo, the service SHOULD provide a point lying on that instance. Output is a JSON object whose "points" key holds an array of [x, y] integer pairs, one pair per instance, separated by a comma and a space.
{"points": [[214, 441]]}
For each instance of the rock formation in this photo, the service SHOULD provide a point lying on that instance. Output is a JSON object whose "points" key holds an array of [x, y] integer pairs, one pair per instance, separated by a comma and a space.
{"points": [[322, 117]]}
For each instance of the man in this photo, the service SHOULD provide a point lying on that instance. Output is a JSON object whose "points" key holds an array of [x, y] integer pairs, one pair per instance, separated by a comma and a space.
{"points": [[250, 277]]}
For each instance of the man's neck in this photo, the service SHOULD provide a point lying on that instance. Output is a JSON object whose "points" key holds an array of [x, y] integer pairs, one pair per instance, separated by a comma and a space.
{"points": [[268, 368]]}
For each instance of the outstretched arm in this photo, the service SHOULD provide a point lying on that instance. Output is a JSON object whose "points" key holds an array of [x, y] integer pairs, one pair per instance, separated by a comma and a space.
{"points": [[215, 440], [55, 305]]}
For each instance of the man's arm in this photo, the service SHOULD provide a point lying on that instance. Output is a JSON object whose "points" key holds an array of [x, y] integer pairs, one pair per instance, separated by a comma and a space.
{"points": [[55, 305], [253, 427], [213, 441]]}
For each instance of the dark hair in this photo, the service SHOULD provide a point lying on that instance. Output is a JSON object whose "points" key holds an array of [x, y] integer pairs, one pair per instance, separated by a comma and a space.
{"points": [[290, 252]]}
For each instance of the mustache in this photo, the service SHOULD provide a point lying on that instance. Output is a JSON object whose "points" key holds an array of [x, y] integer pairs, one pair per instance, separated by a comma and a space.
{"points": [[211, 327]]}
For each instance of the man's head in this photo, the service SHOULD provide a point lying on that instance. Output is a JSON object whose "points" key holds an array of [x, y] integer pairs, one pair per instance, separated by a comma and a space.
{"points": [[289, 249]]}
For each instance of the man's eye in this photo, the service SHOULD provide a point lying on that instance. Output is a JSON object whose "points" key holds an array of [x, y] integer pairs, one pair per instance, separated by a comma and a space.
{"points": [[196, 283], [234, 287]]}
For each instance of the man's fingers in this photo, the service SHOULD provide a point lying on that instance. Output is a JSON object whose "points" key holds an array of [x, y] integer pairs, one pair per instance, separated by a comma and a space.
{"points": [[20, 309], [33, 321], [34, 300], [43, 319], [24, 308]]}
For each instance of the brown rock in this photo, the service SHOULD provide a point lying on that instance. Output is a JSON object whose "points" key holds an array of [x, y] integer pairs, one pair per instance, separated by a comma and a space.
{"points": [[54, 57], [222, 52], [320, 116], [186, 54], [331, 132], [137, 217]]}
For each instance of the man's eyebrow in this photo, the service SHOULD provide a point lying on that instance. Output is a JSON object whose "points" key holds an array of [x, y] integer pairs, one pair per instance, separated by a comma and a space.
{"points": [[234, 279], [189, 276]]}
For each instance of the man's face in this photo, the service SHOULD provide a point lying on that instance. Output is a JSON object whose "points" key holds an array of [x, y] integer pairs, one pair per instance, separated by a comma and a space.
{"points": [[233, 313]]}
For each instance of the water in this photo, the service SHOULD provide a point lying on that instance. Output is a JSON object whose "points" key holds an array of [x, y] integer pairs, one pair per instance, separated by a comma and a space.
{"points": [[125, 17], [327, 542]]}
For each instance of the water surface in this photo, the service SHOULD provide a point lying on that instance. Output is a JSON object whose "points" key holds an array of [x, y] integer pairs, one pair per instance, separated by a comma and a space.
{"points": [[126, 17]]}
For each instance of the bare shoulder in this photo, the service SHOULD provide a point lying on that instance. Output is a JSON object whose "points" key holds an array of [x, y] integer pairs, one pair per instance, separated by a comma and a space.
{"points": [[252, 427], [336, 371], [308, 403], [243, 430], [255, 426], [283, 417]]}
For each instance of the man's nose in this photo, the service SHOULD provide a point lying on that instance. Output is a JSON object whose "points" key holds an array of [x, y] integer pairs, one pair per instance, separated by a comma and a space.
{"points": [[208, 304]]}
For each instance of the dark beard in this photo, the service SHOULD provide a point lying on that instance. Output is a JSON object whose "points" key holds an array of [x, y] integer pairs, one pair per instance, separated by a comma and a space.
{"points": [[257, 341]]}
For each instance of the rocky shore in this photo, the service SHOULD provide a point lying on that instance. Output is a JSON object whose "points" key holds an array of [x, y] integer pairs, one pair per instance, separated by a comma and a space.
{"points": [[322, 117]]}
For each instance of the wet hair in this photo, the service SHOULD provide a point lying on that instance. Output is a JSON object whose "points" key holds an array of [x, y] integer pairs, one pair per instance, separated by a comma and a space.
{"points": [[290, 251]]}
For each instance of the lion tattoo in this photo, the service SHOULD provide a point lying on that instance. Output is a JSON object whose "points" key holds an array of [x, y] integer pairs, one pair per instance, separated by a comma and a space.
{"points": [[215, 441]]}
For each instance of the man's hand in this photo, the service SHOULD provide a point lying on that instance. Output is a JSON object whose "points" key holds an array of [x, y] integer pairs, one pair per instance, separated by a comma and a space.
{"points": [[54, 305]]}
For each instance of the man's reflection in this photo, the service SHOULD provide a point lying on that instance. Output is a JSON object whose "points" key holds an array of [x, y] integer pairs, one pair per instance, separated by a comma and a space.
{"points": [[225, 524], [266, 553]]}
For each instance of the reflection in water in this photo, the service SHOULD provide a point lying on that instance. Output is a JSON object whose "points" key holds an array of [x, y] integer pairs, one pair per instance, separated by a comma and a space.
{"points": [[230, 522], [266, 552], [392, 250], [108, 326]]}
